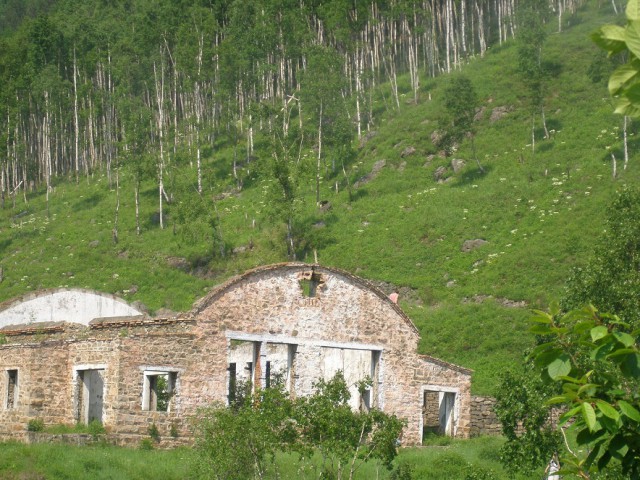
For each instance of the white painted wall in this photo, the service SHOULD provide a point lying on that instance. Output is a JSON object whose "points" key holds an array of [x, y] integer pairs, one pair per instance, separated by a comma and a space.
{"points": [[74, 306]]}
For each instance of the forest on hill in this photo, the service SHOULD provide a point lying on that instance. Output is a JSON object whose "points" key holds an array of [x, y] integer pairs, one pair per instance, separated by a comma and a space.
{"points": [[143, 85], [154, 149]]}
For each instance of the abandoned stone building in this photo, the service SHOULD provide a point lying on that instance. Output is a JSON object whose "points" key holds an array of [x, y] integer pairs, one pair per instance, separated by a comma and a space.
{"points": [[72, 355]]}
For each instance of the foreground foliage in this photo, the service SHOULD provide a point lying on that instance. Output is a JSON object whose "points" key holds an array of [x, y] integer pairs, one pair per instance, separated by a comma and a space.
{"points": [[595, 359], [441, 459], [241, 441]]}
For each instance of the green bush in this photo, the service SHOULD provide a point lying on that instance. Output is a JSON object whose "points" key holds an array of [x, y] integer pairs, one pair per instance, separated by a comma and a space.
{"points": [[96, 428], [146, 444], [154, 433], [35, 425]]}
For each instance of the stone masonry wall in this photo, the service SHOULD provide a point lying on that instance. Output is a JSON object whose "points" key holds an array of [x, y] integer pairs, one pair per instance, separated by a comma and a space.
{"points": [[483, 419], [268, 305], [271, 306]]}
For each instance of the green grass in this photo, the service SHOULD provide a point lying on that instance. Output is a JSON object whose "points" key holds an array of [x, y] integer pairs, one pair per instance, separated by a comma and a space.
{"points": [[540, 214], [51, 461], [444, 459]]}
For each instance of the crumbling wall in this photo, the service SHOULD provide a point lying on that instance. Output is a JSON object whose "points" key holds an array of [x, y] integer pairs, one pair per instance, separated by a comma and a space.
{"points": [[484, 421], [307, 321]]}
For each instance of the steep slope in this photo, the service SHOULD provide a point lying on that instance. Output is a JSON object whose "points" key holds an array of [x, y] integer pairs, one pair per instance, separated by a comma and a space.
{"points": [[538, 212]]}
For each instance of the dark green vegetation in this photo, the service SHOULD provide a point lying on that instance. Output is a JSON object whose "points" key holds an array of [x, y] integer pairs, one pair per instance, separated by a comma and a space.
{"points": [[452, 459], [329, 438], [540, 212]]}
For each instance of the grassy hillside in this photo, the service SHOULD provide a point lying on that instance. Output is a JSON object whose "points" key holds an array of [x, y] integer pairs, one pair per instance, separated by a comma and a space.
{"points": [[538, 212]]}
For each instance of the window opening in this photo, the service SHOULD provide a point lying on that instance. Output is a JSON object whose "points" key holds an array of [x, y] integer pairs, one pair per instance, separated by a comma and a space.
{"points": [[160, 387], [12, 388], [233, 381], [309, 284], [267, 374]]}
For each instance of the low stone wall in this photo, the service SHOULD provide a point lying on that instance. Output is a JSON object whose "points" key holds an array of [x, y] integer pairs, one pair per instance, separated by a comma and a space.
{"points": [[84, 439], [483, 419]]}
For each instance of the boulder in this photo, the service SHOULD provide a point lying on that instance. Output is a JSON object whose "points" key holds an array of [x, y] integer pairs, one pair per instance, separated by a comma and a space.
{"points": [[408, 151], [469, 245], [457, 164], [440, 174]]}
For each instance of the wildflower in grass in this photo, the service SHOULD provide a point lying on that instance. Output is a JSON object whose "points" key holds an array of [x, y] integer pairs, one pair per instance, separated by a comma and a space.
{"points": [[508, 245], [474, 186], [514, 231], [502, 179]]}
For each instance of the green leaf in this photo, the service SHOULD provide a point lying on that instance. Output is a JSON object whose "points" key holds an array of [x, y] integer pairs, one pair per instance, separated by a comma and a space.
{"points": [[620, 352], [599, 332], [607, 410], [624, 338], [631, 366], [610, 38], [625, 107], [604, 460], [589, 389], [629, 411], [632, 37], [560, 367], [548, 356], [557, 400], [589, 416], [633, 10], [632, 92], [565, 417], [540, 330], [619, 78], [618, 447]]}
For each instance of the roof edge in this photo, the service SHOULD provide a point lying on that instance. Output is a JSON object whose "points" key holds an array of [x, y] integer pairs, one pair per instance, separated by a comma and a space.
{"points": [[217, 291]]}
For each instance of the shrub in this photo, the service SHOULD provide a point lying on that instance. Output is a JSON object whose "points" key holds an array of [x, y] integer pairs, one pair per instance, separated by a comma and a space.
{"points": [[35, 425], [154, 433], [146, 444]]}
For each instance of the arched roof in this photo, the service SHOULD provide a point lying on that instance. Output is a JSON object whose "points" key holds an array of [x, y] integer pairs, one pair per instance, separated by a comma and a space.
{"points": [[73, 305], [216, 292]]}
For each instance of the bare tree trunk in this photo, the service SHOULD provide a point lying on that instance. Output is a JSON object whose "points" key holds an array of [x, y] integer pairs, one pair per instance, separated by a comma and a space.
{"points": [[533, 133], [319, 156], [544, 122], [614, 165], [75, 114], [137, 200], [626, 144], [159, 82], [115, 220]]}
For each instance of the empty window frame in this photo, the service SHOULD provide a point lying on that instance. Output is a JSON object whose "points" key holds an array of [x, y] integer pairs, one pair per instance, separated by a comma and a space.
{"points": [[159, 390], [11, 397]]}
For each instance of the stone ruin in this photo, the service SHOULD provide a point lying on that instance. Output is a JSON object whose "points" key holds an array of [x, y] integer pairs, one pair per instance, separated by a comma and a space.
{"points": [[72, 355]]}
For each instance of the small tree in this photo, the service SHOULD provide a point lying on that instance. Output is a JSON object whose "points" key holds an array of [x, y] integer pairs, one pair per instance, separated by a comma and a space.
{"points": [[532, 16], [241, 441], [461, 102], [611, 278]]}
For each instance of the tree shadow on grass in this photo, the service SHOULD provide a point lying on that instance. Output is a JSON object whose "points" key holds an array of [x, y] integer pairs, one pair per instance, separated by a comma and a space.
{"points": [[89, 201], [471, 175]]}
